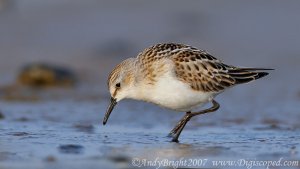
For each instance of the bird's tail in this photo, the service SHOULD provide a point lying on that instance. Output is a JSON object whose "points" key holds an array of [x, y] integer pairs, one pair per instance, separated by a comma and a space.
{"points": [[244, 75]]}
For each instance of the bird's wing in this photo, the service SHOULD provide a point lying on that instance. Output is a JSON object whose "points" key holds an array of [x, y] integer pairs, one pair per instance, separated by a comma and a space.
{"points": [[197, 68], [202, 71]]}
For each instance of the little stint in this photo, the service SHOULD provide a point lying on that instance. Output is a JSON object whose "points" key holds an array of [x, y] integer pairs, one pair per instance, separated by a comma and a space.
{"points": [[178, 77]]}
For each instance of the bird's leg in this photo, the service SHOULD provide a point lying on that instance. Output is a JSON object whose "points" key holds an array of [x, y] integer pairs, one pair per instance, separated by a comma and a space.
{"points": [[186, 117], [175, 133], [179, 127], [179, 124]]}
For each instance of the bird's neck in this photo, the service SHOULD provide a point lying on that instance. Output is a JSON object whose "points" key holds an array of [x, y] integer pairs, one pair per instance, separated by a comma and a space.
{"points": [[141, 91]]}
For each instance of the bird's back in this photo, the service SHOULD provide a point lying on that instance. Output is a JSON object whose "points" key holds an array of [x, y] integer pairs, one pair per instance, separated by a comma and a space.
{"points": [[195, 67]]}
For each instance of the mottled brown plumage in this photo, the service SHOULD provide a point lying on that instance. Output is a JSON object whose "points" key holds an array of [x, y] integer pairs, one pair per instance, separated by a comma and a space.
{"points": [[198, 68], [175, 76]]}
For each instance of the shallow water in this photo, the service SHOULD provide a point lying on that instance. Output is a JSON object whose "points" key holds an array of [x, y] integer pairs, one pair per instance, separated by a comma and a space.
{"points": [[52, 134], [41, 145], [62, 127]]}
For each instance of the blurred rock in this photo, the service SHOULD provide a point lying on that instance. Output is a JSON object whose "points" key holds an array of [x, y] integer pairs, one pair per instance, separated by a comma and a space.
{"points": [[46, 75], [1, 115], [119, 159], [71, 149]]}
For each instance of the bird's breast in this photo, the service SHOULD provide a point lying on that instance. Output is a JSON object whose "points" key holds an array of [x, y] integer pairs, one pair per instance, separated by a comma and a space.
{"points": [[171, 93]]}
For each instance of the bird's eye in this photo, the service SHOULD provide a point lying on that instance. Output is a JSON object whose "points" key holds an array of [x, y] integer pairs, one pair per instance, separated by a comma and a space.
{"points": [[118, 85]]}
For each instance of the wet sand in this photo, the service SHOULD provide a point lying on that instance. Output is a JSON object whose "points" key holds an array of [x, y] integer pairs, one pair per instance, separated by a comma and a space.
{"points": [[50, 133], [62, 127]]}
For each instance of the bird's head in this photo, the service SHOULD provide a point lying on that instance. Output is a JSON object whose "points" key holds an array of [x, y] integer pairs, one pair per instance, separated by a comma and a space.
{"points": [[120, 83]]}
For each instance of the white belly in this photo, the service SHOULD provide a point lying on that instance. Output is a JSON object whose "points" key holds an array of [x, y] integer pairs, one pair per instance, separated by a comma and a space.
{"points": [[171, 93]]}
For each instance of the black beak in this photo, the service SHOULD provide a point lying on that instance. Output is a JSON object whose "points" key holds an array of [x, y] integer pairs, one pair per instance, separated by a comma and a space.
{"points": [[110, 108]]}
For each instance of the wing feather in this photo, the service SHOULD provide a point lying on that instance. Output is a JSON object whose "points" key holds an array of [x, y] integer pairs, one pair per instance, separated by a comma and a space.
{"points": [[197, 68], [202, 71]]}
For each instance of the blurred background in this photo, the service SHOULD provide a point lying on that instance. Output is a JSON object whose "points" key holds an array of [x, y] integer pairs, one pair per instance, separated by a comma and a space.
{"points": [[56, 56]]}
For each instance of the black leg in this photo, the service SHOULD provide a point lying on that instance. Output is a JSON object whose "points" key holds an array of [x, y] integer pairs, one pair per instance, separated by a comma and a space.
{"points": [[179, 124], [176, 131]]}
